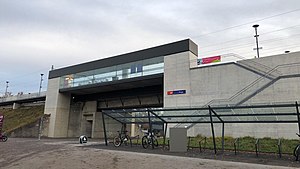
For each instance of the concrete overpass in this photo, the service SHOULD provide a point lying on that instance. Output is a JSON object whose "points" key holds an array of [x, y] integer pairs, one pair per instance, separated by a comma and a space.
{"points": [[19, 99]]}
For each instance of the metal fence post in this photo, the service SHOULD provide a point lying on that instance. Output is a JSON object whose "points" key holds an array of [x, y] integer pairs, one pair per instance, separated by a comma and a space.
{"points": [[212, 130], [104, 129]]}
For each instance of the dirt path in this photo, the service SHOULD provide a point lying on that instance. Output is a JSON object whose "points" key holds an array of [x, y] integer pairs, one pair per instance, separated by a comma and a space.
{"points": [[32, 154]]}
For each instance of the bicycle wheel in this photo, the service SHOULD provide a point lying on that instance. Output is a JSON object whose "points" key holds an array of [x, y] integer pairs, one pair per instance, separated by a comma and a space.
{"points": [[155, 142], [4, 138], [297, 152], [117, 141], [145, 142]]}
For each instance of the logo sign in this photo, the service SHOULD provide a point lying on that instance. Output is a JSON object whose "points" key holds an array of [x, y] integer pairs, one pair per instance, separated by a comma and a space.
{"points": [[213, 59], [175, 92]]}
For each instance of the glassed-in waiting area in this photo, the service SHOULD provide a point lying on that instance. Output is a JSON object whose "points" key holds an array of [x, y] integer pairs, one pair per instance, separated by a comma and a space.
{"points": [[124, 71]]}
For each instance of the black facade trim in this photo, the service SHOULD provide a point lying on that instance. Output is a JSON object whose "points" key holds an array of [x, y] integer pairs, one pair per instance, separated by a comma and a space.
{"points": [[163, 50]]}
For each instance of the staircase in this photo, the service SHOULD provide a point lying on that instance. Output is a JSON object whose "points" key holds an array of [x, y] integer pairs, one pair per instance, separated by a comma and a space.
{"points": [[261, 83]]}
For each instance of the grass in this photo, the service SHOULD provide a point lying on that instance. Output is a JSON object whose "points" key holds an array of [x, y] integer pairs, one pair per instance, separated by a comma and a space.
{"points": [[14, 119], [267, 145]]}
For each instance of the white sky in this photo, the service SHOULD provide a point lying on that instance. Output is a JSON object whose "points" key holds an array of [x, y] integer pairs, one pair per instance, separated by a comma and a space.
{"points": [[36, 34]]}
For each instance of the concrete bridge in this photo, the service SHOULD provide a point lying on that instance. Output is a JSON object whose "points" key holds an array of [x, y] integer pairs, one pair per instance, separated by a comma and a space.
{"points": [[17, 100]]}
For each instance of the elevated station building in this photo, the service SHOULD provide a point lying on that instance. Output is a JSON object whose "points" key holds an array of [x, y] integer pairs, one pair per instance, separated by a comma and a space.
{"points": [[168, 76]]}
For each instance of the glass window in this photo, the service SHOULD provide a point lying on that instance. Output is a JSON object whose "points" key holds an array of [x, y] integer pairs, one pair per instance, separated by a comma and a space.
{"points": [[123, 71]]}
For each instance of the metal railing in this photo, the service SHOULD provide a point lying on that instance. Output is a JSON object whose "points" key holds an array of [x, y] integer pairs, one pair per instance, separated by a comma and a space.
{"points": [[257, 147], [23, 96], [236, 145], [252, 89]]}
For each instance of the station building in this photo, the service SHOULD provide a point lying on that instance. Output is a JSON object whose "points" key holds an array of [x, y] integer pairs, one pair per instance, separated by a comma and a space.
{"points": [[169, 76]]}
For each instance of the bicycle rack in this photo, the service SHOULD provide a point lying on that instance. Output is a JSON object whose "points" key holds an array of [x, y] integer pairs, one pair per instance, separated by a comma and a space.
{"points": [[279, 148], [236, 145], [189, 141], [200, 147], [257, 147], [137, 137]]}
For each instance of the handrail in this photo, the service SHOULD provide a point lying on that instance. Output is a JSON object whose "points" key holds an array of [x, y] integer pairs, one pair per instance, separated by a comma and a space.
{"points": [[200, 147], [251, 61], [279, 148], [245, 88], [189, 141], [257, 147], [253, 83], [236, 145], [23, 96]]}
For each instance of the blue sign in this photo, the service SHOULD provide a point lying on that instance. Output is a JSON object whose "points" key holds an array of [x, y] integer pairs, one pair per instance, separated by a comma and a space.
{"points": [[176, 92]]}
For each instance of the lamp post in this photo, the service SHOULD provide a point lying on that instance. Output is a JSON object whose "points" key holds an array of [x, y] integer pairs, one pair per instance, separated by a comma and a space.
{"points": [[256, 36], [41, 81], [6, 88]]}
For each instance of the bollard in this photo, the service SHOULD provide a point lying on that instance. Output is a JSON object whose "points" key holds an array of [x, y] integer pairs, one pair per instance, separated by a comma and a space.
{"points": [[83, 139]]}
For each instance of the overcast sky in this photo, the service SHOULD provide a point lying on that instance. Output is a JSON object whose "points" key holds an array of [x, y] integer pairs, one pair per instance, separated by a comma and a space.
{"points": [[36, 34]]}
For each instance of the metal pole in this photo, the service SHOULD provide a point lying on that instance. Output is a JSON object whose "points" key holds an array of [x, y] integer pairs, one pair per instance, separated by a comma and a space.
{"points": [[223, 141], [256, 36], [40, 127], [104, 129], [298, 117], [165, 133], [41, 81], [212, 131], [150, 128], [6, 88]]}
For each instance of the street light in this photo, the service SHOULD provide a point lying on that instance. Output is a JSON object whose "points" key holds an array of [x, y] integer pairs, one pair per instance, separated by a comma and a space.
{"points": [[256, 36], [6, 94], [41, 83]]}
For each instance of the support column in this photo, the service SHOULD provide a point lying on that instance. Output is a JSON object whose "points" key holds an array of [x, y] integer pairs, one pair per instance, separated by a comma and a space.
{"points": [[104, 129], [16, 106], [212, 131], [298, 117], [58, 107]]}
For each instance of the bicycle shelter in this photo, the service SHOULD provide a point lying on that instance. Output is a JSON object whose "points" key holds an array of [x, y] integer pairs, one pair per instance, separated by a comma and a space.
{"points": [[258, 113]]}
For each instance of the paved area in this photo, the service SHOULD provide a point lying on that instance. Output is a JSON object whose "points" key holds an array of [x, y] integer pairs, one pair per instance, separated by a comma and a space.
{"points": [[23, 153]]}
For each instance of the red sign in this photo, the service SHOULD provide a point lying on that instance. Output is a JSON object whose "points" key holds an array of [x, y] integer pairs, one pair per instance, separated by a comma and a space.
{"points": [[169, 92], [176, 92], [211, 59]]}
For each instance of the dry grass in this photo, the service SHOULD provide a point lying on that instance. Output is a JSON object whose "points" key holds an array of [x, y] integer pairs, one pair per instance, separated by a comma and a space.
{"points": [[14, 119]]}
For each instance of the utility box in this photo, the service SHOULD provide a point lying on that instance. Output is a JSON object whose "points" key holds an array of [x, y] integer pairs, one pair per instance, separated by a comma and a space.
{"points": [[178, 139]]}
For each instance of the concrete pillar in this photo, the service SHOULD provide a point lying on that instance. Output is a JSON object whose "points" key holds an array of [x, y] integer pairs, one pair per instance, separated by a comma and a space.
{"points": [[16, 105], [177, 77], [58, 106]]}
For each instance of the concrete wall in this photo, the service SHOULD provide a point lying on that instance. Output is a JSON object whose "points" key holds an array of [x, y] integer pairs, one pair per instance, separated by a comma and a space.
{"points": [[177, 76], [84, 114], [75, 118], [58, 107], [204, 84], [32, 129]]}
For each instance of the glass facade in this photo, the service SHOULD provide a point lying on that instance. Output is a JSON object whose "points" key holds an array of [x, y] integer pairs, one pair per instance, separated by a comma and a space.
{"points": [[124, 71]]}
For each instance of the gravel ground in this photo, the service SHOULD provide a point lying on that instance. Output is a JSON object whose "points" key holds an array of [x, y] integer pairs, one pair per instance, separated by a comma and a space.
{"points": [[22, 153]]}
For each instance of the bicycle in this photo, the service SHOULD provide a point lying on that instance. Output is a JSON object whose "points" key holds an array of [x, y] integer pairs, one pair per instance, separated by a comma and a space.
{"points": [[122, 137], [149, 139], [297, 149], [3, 137]]}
